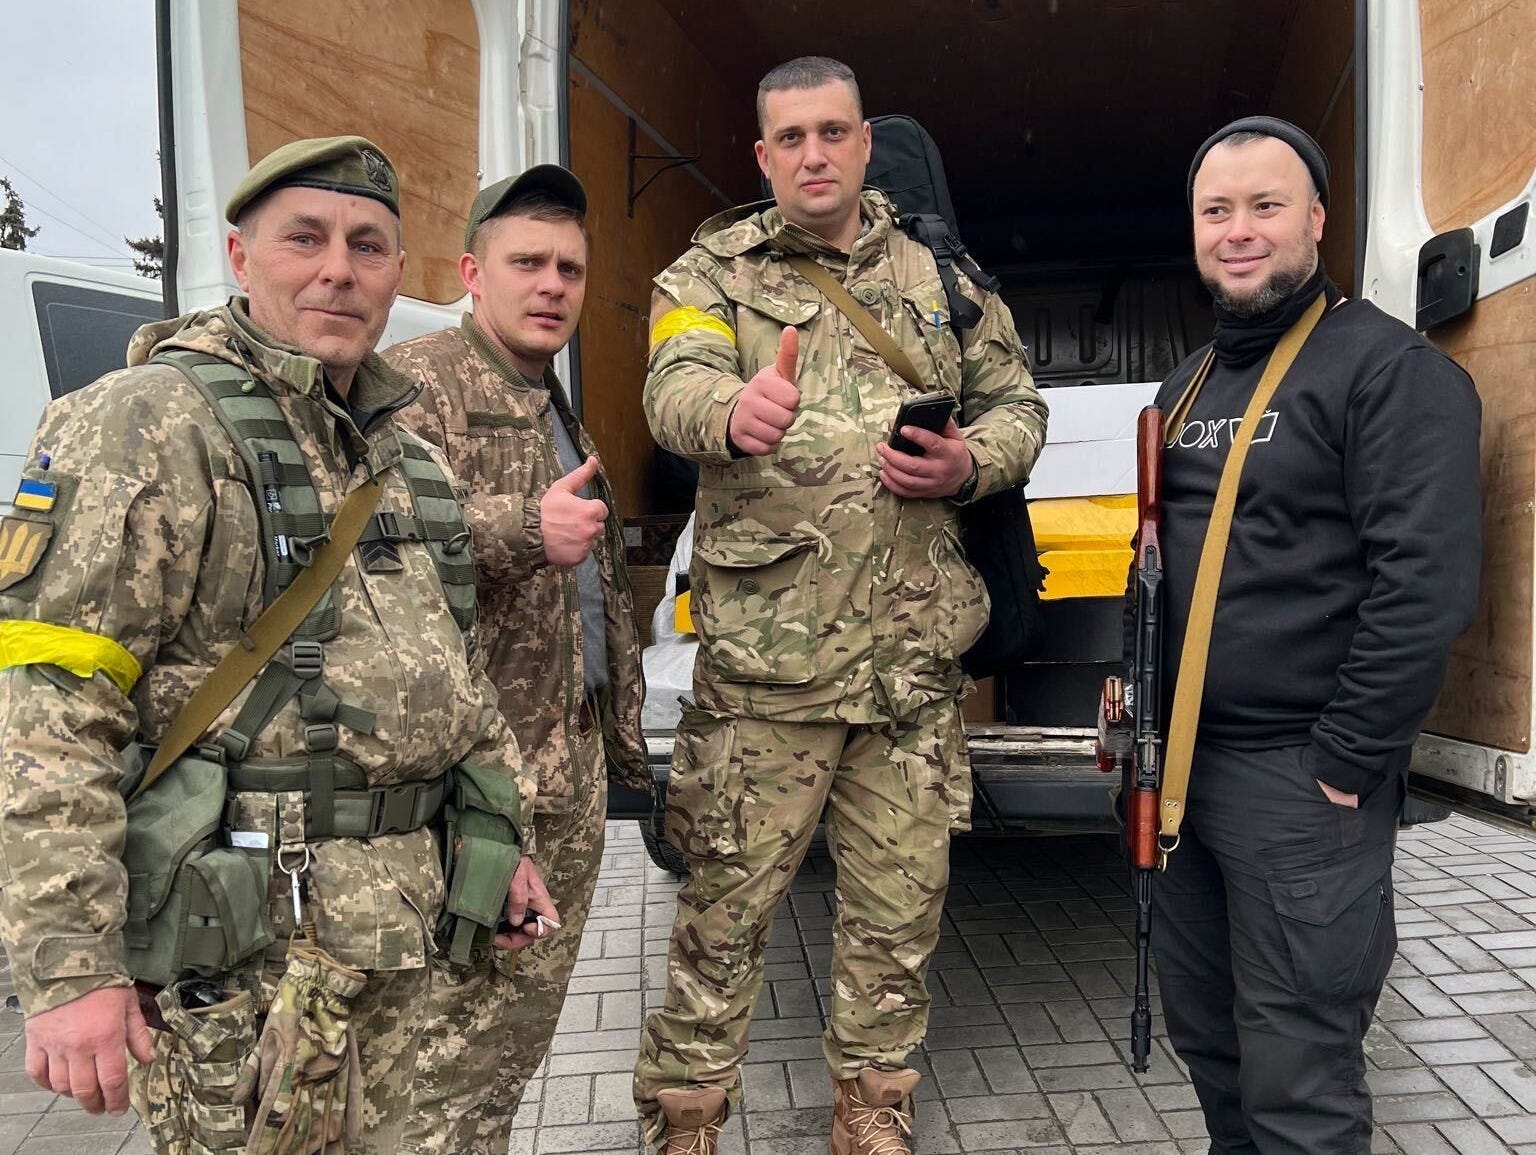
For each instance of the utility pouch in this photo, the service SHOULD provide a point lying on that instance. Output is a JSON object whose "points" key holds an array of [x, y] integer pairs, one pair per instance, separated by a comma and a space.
{"points": [[482, 845], [193, 905], [187, 1096]]}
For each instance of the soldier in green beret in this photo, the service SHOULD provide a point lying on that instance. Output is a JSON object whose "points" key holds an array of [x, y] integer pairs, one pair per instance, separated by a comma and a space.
{"points": [[166, 506]]}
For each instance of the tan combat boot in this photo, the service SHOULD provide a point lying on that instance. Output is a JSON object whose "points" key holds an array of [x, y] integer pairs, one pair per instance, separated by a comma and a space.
{"points": [[694, 1119], [872, 1115]]}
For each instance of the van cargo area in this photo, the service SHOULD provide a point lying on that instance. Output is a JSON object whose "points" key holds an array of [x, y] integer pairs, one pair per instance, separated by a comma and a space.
{"points": [[1066, 131]]}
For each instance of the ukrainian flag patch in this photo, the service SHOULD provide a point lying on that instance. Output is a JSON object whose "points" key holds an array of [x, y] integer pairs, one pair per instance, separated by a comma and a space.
{"points": [[38, 496]]}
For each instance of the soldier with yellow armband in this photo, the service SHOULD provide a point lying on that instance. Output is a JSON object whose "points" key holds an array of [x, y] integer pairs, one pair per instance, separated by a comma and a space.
{"points": [[262, 837]]}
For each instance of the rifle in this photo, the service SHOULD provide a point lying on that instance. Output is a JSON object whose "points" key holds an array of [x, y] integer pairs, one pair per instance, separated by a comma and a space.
{"points": [[1129, 736]]}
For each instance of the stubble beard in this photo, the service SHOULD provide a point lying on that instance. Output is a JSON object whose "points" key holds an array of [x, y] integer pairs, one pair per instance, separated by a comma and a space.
{"points": [[1271, 294]]}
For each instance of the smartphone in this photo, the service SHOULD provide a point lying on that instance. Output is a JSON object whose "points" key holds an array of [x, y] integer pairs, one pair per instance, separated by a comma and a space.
{"points": [[930, 411], [530, 920]]}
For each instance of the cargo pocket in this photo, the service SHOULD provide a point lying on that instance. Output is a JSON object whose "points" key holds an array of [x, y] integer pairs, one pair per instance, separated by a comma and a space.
{"points": [[754, 606], [1338, 926], [703, 815], [945, 608]]}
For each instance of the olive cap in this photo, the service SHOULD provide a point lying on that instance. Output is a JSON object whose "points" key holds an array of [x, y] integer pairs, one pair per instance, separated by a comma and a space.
{"points": [[344, 164], [560, 183]]}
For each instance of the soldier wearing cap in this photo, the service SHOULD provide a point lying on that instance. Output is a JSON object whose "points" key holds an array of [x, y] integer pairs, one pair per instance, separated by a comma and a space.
{"points": [[153, 556], [557, 615]]}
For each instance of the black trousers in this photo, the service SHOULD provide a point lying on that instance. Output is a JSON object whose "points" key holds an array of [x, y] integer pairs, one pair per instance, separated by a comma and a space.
{"points": [[1273, 933]]}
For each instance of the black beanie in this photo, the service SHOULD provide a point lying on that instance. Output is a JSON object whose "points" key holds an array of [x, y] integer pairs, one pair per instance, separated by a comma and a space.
{"points": [[1311, 155]]}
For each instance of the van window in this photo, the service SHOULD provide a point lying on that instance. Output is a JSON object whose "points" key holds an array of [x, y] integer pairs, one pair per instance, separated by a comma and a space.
{"points": [[85, 332]]}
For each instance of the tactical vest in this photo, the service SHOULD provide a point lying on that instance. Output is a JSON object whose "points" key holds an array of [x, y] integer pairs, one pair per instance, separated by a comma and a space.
{"points": [[196, 903]]}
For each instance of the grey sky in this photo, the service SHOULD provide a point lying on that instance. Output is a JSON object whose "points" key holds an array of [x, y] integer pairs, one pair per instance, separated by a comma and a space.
{"points": [[80, 128]]}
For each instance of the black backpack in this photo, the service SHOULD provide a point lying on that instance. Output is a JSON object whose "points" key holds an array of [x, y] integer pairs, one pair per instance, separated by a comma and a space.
{"points": [[995, 530]]}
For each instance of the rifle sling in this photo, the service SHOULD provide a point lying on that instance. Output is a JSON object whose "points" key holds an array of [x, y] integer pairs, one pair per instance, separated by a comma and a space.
{"points": [[863, 320], [1189, 690], [267, 633]]}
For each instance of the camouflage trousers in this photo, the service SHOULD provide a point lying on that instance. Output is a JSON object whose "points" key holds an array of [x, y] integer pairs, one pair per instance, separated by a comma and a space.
{"points": [[743, 802], [184, 1103], [489, 1026]]}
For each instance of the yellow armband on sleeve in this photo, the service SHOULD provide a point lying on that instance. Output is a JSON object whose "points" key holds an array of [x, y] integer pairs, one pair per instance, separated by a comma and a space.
{"points": [[79, 652], [687, 319]]}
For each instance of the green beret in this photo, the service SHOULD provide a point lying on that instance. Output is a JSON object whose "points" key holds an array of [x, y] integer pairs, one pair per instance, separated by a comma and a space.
{"points": [[344, 164], [559, 184]]}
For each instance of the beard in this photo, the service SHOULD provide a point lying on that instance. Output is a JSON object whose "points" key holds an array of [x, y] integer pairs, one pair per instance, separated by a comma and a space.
{"points": [[1272, 293]]}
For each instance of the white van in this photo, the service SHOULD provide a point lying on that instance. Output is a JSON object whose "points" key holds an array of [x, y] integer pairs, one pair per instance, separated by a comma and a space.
{"points": [[62, 325], [1066, 128]]}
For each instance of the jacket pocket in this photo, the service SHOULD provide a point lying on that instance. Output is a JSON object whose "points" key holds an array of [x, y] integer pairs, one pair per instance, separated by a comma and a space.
{"points": [[926, 311], [1338, 926], [755, 608], [703, 814]]}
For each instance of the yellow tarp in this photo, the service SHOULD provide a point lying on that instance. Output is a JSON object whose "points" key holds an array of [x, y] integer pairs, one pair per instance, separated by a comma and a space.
{"points": [[1086, 544]]}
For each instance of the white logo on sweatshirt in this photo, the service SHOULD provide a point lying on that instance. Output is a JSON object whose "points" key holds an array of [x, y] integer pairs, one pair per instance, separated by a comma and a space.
{"points": [[1220, 432]]}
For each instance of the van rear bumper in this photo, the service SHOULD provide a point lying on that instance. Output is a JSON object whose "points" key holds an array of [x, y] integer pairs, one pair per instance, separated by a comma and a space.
{"points": [[1028, 779]]}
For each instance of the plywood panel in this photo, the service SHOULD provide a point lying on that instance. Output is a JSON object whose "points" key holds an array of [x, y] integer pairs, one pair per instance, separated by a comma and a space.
{"points": [[1479, 106], [1487, 695], [406, 76], [642, 58]]}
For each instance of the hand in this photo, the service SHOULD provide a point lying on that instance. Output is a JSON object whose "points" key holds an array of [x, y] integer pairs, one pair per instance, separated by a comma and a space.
{"points": [[80, 1049], [528, 895], [766, 407], [1338, 797], [569, 523], [943, 469]]}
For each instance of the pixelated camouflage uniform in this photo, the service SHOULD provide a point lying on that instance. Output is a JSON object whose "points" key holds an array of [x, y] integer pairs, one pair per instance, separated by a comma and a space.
{"points": [[490, 1027], [831, 616], [155, 555]]}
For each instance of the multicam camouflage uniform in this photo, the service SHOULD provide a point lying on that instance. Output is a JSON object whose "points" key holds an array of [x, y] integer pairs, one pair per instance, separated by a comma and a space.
{"points": [[831, 616], [490, 1027], [154, 565]]}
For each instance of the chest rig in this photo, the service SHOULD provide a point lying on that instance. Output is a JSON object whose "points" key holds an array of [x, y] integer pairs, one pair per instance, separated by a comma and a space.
{"points": [[338, 802]]}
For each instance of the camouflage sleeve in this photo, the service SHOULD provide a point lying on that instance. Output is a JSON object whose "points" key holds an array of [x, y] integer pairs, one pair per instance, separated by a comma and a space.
{"points": [[496, 744], [507, 527], [133, 497], [1003, 414], [694, 375]]}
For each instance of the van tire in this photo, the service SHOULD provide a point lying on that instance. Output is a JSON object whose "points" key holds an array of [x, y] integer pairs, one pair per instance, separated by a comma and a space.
{"points": [[662, 852]]}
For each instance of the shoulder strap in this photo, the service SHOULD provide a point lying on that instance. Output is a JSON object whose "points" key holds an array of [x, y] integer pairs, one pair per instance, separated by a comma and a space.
{"points": [[1190, 688], [863, 320], [243, 662]]}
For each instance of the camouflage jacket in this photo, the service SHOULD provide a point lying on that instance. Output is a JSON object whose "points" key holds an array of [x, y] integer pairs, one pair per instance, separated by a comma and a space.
{"points": [[496, 430], [817, 593], [154, 561]]}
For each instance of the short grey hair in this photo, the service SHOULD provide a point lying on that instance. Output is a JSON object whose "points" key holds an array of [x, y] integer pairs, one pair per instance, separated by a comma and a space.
{"points": [[805, 72]]}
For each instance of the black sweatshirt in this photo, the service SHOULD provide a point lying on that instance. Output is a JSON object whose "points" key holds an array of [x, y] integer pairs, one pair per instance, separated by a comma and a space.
{"points": [[1355, 548]]}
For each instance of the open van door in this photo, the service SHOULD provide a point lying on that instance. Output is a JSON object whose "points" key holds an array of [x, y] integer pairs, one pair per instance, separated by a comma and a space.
{"points": [[459, 93], [1451, 250]]}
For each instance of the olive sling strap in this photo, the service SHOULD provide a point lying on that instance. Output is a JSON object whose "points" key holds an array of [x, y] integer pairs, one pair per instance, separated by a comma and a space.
{"points": [[267, 633], [863, 320], [1190, 687]]}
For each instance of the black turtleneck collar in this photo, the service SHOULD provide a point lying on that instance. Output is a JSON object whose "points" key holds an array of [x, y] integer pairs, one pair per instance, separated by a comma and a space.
{"points": [[1242, 341]]}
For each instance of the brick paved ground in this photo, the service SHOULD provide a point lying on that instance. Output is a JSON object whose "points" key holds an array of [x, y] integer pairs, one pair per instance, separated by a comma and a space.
{"points": [[1030, 988]]}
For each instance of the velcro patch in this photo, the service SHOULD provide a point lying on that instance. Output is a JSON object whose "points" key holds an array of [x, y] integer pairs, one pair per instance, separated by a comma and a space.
{"points": [[22, 545]]}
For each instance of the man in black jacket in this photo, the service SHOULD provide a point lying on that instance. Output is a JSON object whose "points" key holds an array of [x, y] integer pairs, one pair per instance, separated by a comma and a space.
{"points": [[1352, 564]]}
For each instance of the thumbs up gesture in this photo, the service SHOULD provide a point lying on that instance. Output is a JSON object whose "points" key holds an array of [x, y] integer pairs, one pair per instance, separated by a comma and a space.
{"points": [[766, 407], [569, 523]]}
